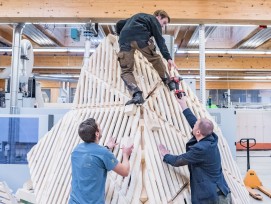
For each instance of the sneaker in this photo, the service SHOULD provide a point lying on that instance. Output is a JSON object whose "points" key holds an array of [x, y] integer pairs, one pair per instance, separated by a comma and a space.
{"points": [[137, 99]]}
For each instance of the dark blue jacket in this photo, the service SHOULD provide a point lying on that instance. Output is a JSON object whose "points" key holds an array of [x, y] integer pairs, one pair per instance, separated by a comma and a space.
{"points": [[204, 163], [141, 27]]}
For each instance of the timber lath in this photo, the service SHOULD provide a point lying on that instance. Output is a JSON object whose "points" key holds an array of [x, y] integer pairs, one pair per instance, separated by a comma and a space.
{"points": [[101, 94]]}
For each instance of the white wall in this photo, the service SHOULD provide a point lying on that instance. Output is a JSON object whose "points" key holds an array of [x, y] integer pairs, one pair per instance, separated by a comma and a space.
{"points": [[254, 124], [15, 175]]}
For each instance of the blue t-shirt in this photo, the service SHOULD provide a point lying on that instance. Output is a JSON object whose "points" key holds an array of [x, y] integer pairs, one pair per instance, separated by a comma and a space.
{"points": [[90, 163]]}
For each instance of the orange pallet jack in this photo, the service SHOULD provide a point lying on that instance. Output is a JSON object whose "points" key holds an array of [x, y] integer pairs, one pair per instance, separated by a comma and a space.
{"points": [[251, 179]]}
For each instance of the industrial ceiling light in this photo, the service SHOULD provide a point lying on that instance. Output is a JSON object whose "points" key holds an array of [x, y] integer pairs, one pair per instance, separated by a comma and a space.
{"points": [[230, 25], [186, 51], [61, 49], [60, 75], [257, 77], [198, 77], [223, 51]]}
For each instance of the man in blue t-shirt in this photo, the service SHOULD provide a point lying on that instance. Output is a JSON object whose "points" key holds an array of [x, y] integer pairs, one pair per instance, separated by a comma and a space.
{"points": [[91, 162]]}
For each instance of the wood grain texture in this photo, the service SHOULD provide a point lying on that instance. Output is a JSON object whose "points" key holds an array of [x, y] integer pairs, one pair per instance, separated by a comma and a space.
{"points": [[181, 11], [150, 179]]}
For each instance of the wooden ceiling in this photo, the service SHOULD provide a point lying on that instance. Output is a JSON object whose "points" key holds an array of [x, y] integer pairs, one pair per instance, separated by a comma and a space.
{"points": [[181, 11], [185, 15]]}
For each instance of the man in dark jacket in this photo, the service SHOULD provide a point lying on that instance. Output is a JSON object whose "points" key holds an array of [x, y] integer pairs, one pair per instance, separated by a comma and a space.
{"points": [[135, 33], [208, 185]]}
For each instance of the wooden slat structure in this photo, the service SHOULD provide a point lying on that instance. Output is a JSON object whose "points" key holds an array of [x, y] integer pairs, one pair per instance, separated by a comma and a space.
{"points": [[6, 196], [26, 193], [101, 94]]}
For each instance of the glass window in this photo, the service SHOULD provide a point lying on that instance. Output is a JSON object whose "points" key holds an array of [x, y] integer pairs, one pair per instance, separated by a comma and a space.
{"points": [[253, 96], [18, 136], [265, 96], [238, 96]]}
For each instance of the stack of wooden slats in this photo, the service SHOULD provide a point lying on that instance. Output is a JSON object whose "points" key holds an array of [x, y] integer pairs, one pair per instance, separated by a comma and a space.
{"points": [[26, 193], [6, 196], [101, 94]]}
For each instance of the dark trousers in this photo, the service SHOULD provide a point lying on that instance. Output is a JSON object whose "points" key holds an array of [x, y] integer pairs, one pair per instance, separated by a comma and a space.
{"points": [[224, 199], [126, 60]]}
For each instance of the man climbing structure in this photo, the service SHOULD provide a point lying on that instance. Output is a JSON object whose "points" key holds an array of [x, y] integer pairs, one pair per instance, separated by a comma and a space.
{"points": [[135, 33]]}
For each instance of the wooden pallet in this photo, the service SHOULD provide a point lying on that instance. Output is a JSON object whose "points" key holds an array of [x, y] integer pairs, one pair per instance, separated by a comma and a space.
{"points": [[101, 94]]}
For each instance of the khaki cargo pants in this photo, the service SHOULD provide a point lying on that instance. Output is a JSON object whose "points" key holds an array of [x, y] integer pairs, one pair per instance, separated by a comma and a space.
{"points": [[126, 60]]}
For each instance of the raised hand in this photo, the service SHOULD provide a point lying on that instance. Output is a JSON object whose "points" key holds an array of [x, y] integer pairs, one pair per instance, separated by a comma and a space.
{"points": [[163, 150], [111, 142]]}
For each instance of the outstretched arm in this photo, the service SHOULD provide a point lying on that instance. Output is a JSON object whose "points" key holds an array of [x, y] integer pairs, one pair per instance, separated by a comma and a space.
{"points": [[193, 156], [173, 160], [190, 117]]}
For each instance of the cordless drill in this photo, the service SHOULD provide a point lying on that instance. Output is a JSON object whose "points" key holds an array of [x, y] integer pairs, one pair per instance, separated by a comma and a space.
{"points": [[179, 93]]}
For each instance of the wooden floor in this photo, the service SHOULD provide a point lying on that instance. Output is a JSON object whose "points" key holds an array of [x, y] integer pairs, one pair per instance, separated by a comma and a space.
{"points": [[260, 161]]}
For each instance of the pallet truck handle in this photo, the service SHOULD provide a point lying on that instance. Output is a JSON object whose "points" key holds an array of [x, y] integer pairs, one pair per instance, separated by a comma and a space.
{"points": [[246, 140]]}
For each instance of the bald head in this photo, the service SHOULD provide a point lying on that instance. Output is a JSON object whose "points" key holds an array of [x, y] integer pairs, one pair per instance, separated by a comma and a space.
{"points": [[206, 126]]}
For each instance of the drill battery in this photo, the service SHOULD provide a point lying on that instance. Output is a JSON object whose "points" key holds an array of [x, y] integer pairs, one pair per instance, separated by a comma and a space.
{"points": [[176, 81], [180, 93]]}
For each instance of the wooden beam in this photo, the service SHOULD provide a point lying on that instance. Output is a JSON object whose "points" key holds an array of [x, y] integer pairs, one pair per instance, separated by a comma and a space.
{"points": [[56, 71], [5, 38], [54, 84], [191, 63], [225, 67], [49, 61], [2, 84], [225, 62], [181, 11]]}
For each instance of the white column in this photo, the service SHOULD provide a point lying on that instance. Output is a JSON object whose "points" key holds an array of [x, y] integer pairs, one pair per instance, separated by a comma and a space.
{"points": [[202, 63], [16, 54]]}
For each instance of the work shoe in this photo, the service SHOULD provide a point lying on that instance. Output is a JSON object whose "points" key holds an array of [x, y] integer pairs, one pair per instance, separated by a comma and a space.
{"points": [[137, 99], [171, 85]]}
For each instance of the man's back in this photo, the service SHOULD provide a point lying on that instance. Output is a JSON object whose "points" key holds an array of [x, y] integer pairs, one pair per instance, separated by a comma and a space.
{"points": [[139, 27], [205, 170], [90, 163]]}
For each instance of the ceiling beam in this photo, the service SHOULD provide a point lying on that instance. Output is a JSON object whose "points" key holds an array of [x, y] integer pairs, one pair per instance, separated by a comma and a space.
{"points": [[49, 61], [240, 85], [5, 37], [224, 63], [181, 11]]}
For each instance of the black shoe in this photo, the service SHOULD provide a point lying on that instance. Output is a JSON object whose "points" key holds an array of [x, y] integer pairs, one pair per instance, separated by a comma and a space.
{"points": [[137, 99], [171, 85]]}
